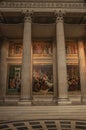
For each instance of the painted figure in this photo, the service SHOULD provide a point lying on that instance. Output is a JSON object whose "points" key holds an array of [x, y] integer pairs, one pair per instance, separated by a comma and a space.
{"points": [[42, 79]]}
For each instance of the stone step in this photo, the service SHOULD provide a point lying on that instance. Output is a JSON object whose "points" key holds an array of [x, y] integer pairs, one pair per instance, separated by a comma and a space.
{"points": [[44, 112]]}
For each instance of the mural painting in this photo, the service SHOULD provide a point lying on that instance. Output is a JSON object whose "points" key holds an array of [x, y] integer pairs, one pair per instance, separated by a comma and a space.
{"points": [[14, 79], [73, 77], [15, 49], [42, 48], [42, 79], [85, 48], [71, 47]]}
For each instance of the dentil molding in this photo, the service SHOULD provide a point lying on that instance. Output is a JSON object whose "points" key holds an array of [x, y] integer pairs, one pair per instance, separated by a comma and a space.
{"points": [[43, 4]]}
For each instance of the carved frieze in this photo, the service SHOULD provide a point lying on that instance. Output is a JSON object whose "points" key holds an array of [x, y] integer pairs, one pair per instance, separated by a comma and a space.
{"points": [[46, 4]]}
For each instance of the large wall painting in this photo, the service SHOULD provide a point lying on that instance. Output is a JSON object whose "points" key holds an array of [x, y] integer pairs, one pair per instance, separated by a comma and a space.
{"points": [[15, 49], [71, 47], [14, 79], [42, 79], [42, 48], [85, 48], [73, 77]]}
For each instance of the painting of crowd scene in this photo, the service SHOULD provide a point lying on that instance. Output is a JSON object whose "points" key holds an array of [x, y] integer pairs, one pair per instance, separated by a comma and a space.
{"points": [[42, 79], [42, 48], [73, 77], [71, 47], [15, 49], [14, 79], [85, 48]]}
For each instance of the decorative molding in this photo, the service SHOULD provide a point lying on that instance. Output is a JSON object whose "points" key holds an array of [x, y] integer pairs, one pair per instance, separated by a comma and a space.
{"points": [[37, 4], [14, 60], [43, 1]]}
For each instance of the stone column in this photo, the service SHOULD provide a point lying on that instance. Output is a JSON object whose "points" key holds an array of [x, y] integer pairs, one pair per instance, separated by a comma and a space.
{"points": [[82, 68], [26, 63], [3, 69], [61, 61]]}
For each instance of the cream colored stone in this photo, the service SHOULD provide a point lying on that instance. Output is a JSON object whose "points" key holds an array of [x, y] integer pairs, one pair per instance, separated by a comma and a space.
{"points": [[61, 61], [3, 71], [82, 68], [26, 63]]}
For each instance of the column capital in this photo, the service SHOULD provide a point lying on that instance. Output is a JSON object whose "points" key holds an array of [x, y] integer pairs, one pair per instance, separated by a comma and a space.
{"points": [[27, 15], [59, 16]]}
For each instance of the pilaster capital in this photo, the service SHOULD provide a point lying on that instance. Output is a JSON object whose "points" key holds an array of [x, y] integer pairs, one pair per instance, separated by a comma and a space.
{"points": [[59, 16], [27, 16]]}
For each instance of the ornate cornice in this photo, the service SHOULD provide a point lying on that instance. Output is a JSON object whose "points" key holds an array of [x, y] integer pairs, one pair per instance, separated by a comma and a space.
{"points": [[46, 4], [43, 1]]}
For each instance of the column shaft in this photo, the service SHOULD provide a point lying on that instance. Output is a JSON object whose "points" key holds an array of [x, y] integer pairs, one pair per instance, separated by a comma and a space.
{"points": [[26, 62], [82, 66], [61, 61]]}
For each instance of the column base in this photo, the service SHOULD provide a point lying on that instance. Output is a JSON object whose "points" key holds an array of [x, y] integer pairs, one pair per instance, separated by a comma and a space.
{"points": [[63, 101], [25, 102], [83, 100], [55, 100]]}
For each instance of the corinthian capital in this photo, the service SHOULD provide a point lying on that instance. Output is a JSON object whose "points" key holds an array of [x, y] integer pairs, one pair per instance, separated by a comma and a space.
{"points": [[27, 16], [59, 16]]}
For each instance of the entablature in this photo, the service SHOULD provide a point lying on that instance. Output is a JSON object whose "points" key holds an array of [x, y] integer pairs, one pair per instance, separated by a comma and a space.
{"points": [[43, 0], [43, 5]]}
